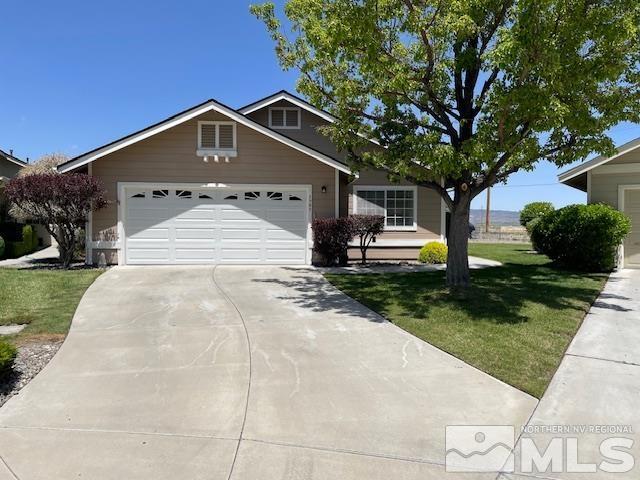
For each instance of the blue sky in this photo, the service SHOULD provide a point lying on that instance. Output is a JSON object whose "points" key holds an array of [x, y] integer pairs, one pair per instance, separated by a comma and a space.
{"points": [[79, 74]]}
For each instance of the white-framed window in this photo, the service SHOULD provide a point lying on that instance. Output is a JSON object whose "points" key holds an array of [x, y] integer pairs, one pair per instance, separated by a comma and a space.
{"points": [[397, 204], [284, 118], [215, 135]]}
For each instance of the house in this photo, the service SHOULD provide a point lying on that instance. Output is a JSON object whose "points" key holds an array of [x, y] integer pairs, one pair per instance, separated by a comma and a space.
{"points": [[9, 165], [9, 168], [213, 184], [615, 181]]}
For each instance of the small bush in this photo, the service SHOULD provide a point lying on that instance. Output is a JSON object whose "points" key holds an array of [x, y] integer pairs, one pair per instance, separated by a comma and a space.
{"points": [[366, 228], [8, 355], [331, 237], [433, 252], [1, 247], [582, 237], [534, 210], [24, 246]]}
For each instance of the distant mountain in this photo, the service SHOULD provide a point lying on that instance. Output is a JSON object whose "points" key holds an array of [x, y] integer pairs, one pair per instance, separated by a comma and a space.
{"points": [[498, 217]]}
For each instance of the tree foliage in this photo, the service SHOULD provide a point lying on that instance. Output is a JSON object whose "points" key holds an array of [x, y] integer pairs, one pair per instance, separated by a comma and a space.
{"points": [[61, 203], [461, 94], [534, 210]]}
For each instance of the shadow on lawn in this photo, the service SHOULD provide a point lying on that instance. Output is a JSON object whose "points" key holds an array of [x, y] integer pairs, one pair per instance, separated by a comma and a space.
{"points": [[497, 294]]}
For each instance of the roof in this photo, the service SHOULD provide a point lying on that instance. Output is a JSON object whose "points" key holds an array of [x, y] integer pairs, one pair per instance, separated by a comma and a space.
{"points": [[583, 168], [284, 95], [12, 159], [297, 101], [186, 115]]}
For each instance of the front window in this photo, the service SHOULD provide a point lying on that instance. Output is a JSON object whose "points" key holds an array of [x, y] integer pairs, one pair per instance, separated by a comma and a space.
{"points": [[397, 205]]}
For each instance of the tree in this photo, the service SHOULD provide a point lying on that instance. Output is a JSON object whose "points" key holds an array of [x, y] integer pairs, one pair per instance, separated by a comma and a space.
{"points": [[534, 210], [366, 228], [45, 164], [59, 202], [460, 94]]}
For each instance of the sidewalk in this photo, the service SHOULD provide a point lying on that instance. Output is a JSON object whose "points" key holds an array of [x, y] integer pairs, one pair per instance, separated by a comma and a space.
{"points": [[598, 381], [47, 254]]}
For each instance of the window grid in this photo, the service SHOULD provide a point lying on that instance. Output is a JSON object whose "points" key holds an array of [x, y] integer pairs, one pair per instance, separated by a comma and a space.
{"points": [[396, 205], [284, 117]]}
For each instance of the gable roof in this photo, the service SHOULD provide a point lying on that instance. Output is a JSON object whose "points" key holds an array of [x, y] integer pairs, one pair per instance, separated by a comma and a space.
{"points": [[12, 159], [186, 115], [289, 97], [583, 168]]}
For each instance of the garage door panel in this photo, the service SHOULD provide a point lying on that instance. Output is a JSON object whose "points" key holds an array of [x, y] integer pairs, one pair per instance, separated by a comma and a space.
{"points": [[242, 226]]}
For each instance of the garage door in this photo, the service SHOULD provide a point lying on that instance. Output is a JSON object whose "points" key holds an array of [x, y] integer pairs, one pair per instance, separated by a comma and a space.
{"points": [[632, 242], [250, 225]]}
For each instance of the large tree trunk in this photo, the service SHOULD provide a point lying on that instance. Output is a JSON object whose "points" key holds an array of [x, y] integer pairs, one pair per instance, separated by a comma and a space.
{"points": [[458, 243]]}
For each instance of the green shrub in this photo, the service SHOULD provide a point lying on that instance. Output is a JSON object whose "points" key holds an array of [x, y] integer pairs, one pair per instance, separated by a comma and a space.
{"points": [[582, 237], [1, 247], [24, 246], [7, 356], [433, 252], [534, 210]]}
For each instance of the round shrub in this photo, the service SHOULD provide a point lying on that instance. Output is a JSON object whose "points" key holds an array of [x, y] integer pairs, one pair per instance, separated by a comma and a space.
{"points": [[7, 356], [582, 237], [1, 247], [433, 252], [534, 210], [331, 237]]}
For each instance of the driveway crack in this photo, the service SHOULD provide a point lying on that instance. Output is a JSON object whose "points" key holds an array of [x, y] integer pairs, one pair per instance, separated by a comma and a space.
{"points": [[246, 332]]}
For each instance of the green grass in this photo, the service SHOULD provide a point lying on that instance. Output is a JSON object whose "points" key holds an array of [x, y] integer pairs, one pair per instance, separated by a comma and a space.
{"points": [[45, 300], [514, 323]]}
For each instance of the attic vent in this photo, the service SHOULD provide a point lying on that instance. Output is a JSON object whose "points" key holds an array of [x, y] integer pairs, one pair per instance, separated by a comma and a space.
{"points": [[207, 135], [284, 117], [217, 135]]}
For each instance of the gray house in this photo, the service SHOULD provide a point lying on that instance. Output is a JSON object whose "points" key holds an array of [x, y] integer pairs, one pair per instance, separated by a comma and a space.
{"points": [[615, 181], [9, 165]]}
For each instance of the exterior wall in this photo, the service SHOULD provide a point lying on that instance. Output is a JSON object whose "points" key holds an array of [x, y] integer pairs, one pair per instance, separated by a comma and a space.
{"points": [[307, 134], [604, 187], [429, 213], [170, 157], [8, 169], [428, 207]]}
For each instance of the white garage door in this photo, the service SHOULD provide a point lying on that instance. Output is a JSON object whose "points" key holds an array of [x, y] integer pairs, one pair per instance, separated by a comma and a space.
{"points": [[249, 225]]}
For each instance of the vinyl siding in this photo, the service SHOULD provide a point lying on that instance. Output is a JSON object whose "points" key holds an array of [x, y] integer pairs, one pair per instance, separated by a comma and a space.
{"points": [[170, 157], [8, 169], [604, 187], [428, 208]]}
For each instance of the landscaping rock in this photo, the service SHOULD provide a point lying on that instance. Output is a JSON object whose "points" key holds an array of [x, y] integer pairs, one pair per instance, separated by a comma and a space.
{"points": [[32, 357]]}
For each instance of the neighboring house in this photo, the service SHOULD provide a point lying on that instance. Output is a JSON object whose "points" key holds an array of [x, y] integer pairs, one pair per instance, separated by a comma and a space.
{"points": [[9, 165], [217, 185], [615, 181], [9, 168]]}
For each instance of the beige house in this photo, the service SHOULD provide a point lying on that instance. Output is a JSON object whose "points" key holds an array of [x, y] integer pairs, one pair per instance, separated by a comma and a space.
{"points": [[213, 184], [615, 181]]}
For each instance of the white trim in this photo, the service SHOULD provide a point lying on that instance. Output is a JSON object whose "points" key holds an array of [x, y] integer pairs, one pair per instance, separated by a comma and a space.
{"points": [[289, 98], [284, 125], [121, 243], [589, 182], [621, 191], [619, 168], [393, 243], [337, 194], [88, 232], [596, 162], [385, 188], [276, 97], [105, 245], [13, 160], [211, 105], [218, 123]]}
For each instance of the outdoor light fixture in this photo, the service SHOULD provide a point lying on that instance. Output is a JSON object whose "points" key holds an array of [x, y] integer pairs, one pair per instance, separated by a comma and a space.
{"points": [[324, 189]]}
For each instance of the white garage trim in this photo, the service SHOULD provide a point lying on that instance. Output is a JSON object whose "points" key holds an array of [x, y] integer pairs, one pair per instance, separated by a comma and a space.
{"points": [[621, 191], [123, 187]]}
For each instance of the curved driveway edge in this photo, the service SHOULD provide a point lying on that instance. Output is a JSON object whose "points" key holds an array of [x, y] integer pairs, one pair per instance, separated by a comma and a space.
{"points": [[152, 383]]}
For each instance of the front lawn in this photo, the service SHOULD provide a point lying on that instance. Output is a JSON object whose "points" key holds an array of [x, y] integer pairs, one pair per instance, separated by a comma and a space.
{"points": [[514, 323], [45, 300]]}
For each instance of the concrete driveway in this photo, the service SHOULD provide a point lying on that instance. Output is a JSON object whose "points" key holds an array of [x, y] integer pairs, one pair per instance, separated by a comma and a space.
{"points": [[242, 373]]}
